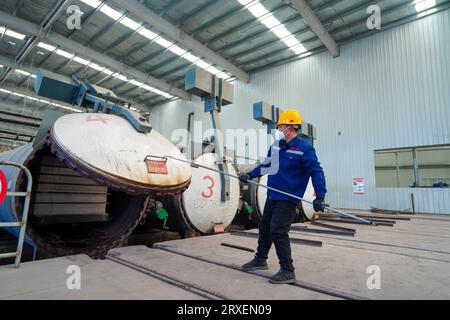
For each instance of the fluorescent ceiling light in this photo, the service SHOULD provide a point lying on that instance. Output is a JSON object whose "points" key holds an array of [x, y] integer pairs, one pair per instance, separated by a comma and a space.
{"points": [[25, 73], [190, 57], [92, 3], [107, 71], [224, 75], [147, 87], [258, 10], [46, 46], [202, 64], [291, 41], [421, 5], [130, 23], [65, 54], [163, 42], [18, 94], [38, 100], [427, 12], [136, 83], [110, 12], [299, 49], [254, 6], [275, 26], [214, 70], [12, 34], [281, 32], [245, 2], [270, 22], [96, 67], [147, 33], [177, 50], [81, 60], [122, 77]]}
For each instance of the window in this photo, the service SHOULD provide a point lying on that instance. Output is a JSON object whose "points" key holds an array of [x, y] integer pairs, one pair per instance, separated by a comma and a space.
{"points": [[434, 166], [423, 167]]}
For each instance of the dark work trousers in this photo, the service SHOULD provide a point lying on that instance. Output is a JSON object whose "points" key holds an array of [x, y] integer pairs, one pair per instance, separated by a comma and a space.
{"points": [[273, 228]]}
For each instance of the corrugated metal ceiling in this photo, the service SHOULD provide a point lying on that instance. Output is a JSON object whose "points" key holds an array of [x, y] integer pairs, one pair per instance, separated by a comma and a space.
{"points": [[226, 27]]}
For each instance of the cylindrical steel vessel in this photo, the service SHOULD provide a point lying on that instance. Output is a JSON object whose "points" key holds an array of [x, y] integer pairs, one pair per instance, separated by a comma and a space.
{"points": [[91, 183], [255, 197], [200, 209]]}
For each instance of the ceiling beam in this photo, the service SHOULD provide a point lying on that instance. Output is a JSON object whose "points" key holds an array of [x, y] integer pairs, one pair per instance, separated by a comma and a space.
{"points": [[386, 13], [177, 34], [86, 52], [11, 63], [30, 92], [386, 26], [316, 26], [46, 24], [196, 11]]}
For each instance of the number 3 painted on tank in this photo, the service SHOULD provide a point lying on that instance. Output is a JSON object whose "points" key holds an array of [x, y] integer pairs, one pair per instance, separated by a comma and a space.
{"points": [[210, 188]]}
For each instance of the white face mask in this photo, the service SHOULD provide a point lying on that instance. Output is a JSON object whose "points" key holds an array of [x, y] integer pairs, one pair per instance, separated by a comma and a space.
{"points": [[279, 135]]}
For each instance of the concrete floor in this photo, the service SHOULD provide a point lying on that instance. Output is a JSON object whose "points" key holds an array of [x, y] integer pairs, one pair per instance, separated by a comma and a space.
{"points": [[413, 258]]}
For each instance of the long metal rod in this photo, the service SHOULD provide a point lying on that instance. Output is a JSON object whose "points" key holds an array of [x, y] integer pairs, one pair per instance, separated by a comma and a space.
{"points": [[333, 232], [168, 279], [236, 247], [273, 189], [305, 242], [10, 224], [329, 226], [8, 255]]}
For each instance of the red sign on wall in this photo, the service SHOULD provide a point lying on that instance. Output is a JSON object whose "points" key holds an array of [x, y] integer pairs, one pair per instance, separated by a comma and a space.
{"points": [[358, 186], [3, 186]]}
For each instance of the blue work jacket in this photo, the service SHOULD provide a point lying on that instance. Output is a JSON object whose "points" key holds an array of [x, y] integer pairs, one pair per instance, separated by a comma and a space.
{"points": [[289, 166]]}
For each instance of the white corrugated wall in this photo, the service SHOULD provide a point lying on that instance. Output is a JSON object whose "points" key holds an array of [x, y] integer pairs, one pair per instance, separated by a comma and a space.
{"points": [[386, 91]]}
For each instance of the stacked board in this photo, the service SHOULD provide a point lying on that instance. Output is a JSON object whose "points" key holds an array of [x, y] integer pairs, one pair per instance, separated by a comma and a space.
{"points": [[63, 195]]}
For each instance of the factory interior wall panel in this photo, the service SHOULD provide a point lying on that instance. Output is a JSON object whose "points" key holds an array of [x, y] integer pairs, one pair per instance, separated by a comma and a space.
{"points": [[389, 90]]}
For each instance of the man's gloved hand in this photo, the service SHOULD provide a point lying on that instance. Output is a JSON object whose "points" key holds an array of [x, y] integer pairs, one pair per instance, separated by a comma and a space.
{"points": [[319, 205], [244, 177]]}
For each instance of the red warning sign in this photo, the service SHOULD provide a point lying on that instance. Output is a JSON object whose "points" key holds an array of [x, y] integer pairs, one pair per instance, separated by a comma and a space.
{"points": [[3, 186], [156, 166]]}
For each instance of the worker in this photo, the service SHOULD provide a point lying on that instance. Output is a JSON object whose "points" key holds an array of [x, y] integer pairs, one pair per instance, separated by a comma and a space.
{"points": [[290, 164]]}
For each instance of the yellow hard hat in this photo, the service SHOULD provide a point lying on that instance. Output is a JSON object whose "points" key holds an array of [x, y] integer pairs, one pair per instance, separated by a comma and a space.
{"points": [[290, 117]]}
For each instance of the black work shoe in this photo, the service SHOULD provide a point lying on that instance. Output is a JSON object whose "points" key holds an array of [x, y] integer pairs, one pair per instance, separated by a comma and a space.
{"points": [[283, 277], [255, 264]]}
